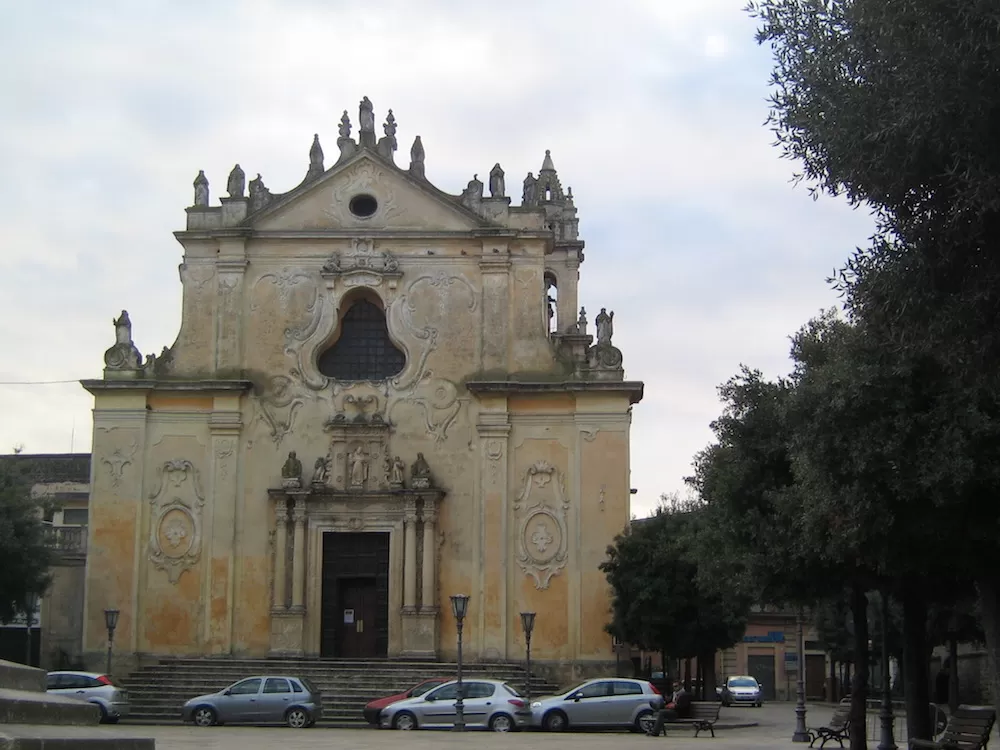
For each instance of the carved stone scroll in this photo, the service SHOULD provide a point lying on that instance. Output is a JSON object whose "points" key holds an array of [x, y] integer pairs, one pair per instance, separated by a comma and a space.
{"points": [[176, 527], [542, 536]]}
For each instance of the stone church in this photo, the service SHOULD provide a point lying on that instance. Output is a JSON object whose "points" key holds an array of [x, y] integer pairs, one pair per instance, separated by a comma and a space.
{"points": [[381, 394]]}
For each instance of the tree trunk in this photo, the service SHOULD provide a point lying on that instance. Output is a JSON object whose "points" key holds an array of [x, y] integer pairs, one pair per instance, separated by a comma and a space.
{"points": [[916, 670], [687, 674], [833, 697], [859, 685], [989, 606], [708, 676], [953, 672]]}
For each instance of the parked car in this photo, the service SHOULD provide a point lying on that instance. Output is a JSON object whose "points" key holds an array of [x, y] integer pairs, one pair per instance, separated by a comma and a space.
{"points": [[741, 689], [261, 700], [602, 702], [93, 687], [373, 710], [488, 704]]}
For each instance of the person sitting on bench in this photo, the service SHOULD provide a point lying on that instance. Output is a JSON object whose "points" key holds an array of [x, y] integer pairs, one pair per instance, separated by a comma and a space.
{"points": [[679, 707]]}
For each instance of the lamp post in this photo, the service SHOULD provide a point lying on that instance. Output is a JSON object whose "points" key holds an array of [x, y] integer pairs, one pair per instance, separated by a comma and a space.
{"points": [[459, 608], [801, 733], [528, 624], [887, 741], [111, 622], [30, 605]]}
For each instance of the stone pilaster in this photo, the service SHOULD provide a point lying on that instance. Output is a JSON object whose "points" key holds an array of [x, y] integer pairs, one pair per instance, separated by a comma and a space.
{"points": [[410, 556], [568, 293], [225, 425], [428, 568], [231, 267], [494, 430], [280, 552], [299, 555], [495, 267]]}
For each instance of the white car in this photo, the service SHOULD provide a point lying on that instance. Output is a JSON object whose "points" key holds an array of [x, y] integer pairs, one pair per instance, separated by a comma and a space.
{"points": [[741, 689], [92, 687], [602, 702], [487, 704]]}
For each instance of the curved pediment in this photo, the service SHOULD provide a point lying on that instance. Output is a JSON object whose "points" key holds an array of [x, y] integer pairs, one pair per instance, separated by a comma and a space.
{"points": [[365, 193]]}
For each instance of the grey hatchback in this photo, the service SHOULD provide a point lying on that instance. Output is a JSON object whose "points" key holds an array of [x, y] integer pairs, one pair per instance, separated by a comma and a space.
{"points": [[261, 700]]}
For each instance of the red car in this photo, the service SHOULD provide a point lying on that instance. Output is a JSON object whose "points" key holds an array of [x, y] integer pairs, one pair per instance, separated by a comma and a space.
{"points": [[374, 709]]}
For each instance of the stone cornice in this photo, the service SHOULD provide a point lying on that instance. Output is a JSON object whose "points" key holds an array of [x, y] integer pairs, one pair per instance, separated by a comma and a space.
{"points": [[632, 388], [96, 386], [345, 234]]}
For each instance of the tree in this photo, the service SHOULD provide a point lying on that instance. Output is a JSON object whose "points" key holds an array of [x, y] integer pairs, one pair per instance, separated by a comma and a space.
{"points": [[24, 555], [659, 602], [895, 106]]}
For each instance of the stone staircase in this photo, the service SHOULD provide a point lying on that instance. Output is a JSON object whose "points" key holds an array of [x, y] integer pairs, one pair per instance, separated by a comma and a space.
{"points": [[157, 692]]}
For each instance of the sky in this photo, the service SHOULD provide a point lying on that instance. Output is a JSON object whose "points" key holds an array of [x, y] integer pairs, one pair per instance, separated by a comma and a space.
{"points": [[654, 110]]}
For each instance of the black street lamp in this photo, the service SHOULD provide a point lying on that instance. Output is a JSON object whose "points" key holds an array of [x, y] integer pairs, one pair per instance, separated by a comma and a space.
{"points": [[887, 741], [459, 608], [111, 622], [30, 605], [528, 624], [801, 733]]}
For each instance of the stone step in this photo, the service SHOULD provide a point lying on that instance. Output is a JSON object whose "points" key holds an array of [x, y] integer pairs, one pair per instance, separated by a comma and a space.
{"points": [[30, 707], [30, 737]]}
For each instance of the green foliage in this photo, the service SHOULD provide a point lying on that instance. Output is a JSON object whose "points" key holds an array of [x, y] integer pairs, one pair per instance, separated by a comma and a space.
{"points": [[659, 600], [24, 555]]}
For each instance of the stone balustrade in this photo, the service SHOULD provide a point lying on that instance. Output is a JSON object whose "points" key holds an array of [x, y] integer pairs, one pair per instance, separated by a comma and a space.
{"points": [[67, 540]]}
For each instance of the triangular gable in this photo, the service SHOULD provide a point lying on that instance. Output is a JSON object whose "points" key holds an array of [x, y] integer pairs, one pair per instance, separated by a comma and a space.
{"points": [[404, 202]]}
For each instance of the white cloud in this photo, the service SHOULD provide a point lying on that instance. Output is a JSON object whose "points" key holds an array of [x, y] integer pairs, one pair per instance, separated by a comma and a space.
{"points": [[653, 111]]}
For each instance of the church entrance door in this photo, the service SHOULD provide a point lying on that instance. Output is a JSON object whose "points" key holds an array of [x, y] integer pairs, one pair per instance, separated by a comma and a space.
{"points": [[355, 606]]}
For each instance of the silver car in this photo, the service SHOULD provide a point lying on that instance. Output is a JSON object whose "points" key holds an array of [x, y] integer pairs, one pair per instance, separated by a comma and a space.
{"points": [[741, 689], [488, 704], [603, 702], [92, 687], [261, 700]]}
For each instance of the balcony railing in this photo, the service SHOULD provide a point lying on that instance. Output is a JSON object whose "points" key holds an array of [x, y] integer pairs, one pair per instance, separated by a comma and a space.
{"points": [[67, 540]]}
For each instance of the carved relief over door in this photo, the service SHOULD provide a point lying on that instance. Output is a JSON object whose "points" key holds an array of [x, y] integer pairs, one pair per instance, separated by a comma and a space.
{"points": [[175, 528], [543, 531]]}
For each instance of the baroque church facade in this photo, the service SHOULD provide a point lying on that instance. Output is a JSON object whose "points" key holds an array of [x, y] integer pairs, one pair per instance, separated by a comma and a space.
{"points": [[381, 394]]}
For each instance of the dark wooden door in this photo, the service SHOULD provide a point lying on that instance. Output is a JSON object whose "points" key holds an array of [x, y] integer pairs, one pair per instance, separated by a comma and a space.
{"points": [[815, 677], [357, 621], [761, 666], [356, 578]]}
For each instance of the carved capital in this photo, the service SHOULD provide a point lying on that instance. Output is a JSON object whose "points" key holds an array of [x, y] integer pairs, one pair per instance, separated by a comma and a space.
{"points": [[410, 510], [299, 514]]}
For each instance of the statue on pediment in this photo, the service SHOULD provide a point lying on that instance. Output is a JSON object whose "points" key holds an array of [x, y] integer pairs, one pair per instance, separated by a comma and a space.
{"points": [[201, 189], [366, 116], [530, 188], [605, 327], [236, 183], [123, 356], [497, 189]]}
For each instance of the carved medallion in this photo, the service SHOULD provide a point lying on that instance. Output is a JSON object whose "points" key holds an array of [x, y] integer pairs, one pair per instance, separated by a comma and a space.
{"points": [[175, 530], [542, 535]]}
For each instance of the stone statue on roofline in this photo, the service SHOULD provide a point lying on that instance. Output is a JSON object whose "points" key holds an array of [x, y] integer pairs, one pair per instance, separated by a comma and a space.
{"points": [[201, 189], [123, 359], [605, 327], [497, 188], [236, 183]]}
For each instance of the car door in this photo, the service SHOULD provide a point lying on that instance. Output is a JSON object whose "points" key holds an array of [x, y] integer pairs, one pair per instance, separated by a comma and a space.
{"points": [[438, 707], [275, 699], [626, 697], [477, 703], [589, 704], [240, 703]]}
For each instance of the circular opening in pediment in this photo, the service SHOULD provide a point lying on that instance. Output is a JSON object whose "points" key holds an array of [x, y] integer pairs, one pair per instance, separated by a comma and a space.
{"points": [[363, 205]]}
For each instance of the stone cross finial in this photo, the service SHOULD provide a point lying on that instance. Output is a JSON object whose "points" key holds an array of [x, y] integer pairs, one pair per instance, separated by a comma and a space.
{"points": [[345, 125]]}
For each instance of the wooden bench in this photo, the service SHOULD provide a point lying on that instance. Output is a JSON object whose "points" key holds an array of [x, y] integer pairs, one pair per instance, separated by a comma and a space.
{"points": [[704, 714], [838, 728], [968, 728]]}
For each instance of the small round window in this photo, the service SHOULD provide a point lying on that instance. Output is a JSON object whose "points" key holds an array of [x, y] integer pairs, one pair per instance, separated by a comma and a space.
{"points": [[363, 205]]}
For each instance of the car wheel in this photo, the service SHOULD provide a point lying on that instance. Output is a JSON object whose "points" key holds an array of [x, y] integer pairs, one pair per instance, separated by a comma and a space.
{"points": [[502, 723], [404, 720], [297, 718], [205, 716], [644, 721], [555, 721], [112, 720]]}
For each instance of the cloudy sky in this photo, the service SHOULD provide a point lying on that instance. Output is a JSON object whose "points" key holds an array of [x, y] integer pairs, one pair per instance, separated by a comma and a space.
{"points": [[654, 111]]}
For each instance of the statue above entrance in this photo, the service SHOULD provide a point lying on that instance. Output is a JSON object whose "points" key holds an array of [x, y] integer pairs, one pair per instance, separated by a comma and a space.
{"points": [[420, 474], [291, 472], [321, 471]]}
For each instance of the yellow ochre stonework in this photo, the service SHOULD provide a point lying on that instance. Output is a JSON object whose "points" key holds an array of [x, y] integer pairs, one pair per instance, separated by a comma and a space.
{"points": [[380, 395]]}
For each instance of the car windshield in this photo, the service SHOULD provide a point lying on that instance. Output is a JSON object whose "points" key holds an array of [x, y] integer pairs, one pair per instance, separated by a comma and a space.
{"points": [[421, 689], [749, 682]]}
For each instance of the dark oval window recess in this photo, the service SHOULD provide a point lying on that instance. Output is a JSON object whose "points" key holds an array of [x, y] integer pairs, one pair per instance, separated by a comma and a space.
{"points": [[364, 350], [363, 205]]}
